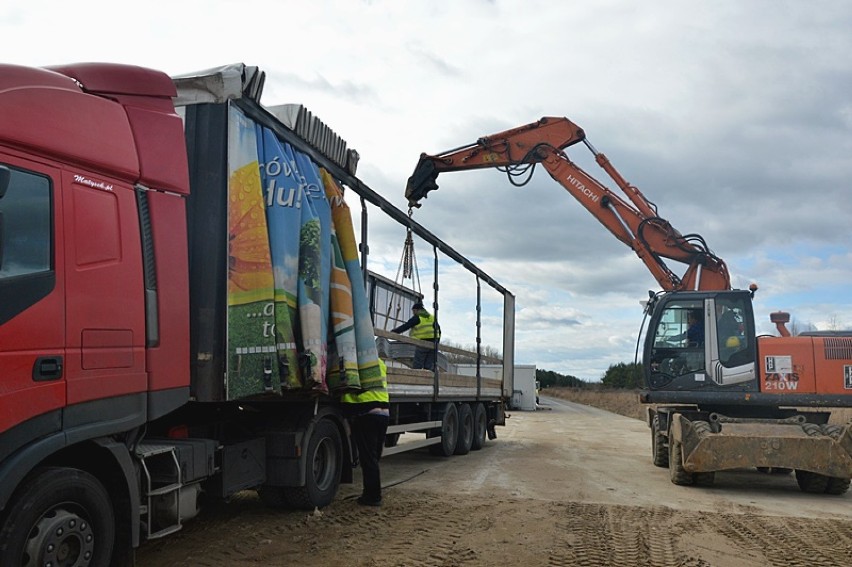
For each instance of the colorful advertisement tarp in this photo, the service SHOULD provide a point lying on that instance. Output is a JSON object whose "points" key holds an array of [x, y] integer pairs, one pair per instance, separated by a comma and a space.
{"points": [[296, 297], [370, 375], [252, 365]]}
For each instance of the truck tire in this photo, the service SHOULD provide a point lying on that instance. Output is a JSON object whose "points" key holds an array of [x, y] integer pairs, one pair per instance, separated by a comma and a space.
{"points": [[60, 516], [480, 426], [678, 474], [465, 439], [449, 432], [837, 485], [324, 461], [659, 449], [811, 482]]}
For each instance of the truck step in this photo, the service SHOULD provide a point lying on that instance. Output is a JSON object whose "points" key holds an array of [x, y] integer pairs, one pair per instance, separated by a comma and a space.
{"points": [[161, 483]]}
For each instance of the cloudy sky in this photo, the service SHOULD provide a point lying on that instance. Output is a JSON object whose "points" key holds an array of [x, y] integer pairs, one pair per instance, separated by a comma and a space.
{"points": [[733, 116]]}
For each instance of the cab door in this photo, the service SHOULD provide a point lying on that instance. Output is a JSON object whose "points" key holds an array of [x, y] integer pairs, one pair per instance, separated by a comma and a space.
{"points": [[32, 302], [105, 323], [676, 350]]}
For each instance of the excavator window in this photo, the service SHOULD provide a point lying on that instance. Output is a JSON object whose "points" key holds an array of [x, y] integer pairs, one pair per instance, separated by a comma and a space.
{"points": [[733, 340], [678, 347]]}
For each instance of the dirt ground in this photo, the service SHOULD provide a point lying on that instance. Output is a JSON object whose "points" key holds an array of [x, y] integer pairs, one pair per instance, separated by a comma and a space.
{"points": [[567, 485]]}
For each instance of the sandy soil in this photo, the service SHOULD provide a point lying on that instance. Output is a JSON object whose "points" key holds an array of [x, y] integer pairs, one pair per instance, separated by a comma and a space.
{"points": [[570, 485]]}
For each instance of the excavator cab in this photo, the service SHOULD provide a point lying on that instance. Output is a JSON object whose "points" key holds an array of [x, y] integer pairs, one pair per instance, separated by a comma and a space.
{"points": [[701, 341]]}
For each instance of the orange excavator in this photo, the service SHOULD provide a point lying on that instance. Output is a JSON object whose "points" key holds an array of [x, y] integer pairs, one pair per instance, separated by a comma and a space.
{"points": [[719, 397]]}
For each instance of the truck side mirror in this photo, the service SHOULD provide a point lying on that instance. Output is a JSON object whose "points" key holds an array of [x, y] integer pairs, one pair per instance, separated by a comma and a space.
{"points": [[5, 176]]}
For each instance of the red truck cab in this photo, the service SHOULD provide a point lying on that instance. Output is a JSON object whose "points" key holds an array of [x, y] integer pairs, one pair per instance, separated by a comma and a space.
{"points": [[94, 328], [81, 298]]}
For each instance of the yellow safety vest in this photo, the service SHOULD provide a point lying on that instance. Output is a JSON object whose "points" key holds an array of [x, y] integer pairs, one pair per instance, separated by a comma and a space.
{"points": [[426, 330], [373, 394]]}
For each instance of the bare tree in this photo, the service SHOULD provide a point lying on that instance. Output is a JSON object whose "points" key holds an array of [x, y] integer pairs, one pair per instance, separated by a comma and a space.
{"points": [[797, 327]]}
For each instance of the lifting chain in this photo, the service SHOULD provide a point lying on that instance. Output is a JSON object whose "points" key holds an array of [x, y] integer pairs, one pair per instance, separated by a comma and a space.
{"points": [[408, 260], [407, 270]]}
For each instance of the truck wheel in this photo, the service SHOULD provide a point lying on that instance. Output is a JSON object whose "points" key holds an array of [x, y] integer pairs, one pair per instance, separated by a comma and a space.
{"points": [[465, 439], [678, 474], [480, 426], [837, 485], [811, 482], [659, 450], [449, 432], [61, 516], [324, 459]]}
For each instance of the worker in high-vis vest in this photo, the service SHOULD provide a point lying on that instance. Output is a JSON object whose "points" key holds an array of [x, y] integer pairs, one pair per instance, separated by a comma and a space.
{"points": [[369, 414], [425, 328]]}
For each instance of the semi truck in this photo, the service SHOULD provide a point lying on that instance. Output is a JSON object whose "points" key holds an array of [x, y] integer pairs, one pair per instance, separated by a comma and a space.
{"points": [[152, 356], [719, 396]]}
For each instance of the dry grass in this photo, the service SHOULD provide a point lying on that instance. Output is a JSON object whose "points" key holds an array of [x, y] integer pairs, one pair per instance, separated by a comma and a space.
{"points": [[626, 402], [622, 402]]}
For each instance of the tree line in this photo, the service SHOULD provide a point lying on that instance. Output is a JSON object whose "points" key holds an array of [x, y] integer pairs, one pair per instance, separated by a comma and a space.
{"points": [[618, 376], [623, 375]]}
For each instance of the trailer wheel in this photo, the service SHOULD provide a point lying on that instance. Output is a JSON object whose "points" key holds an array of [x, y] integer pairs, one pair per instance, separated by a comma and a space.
{"points": [[324, 459], [480, 426], [61, 516], [811, 482], [449, 432], [659, 450], [678, 474], [837, 485], [465, 439]]}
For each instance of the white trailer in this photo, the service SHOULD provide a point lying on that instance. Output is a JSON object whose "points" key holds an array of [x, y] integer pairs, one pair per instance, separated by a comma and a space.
{"points": [[520, 389]]}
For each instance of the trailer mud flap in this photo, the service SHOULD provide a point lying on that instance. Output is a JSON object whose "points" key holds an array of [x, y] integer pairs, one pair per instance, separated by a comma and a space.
{"points": [[825, 449]]}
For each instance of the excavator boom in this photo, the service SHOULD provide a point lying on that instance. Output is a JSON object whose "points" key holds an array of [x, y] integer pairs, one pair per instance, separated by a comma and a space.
{"points": [[633, 221]]}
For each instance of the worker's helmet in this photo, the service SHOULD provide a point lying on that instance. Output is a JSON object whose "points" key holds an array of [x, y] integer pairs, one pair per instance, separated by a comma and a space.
{"points": [[733, 342], [418, 305]]}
